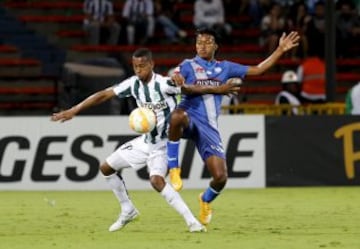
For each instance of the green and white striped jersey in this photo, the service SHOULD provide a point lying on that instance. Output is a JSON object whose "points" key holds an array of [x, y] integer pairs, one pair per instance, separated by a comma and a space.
{"points": [[159, 95]]}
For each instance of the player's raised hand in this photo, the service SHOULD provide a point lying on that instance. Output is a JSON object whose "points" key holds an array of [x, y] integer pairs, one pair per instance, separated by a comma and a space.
{"points": [[63, 115], [289, 41]]}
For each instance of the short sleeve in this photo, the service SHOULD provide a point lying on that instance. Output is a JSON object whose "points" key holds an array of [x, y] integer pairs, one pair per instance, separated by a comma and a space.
{"points": [[171, 88], [123, 89], [236, 69]]}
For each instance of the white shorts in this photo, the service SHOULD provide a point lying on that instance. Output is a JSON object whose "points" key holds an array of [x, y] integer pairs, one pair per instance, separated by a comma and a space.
{"points": [[137, 154]]}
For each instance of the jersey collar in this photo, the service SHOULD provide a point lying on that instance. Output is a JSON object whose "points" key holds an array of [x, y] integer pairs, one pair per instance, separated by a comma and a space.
{"points": [[204, 63]]}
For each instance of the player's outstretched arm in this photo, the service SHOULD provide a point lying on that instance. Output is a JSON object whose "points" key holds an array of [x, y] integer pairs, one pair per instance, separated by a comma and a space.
{"points": [[286, 43], [94, 99], [232, 86]]}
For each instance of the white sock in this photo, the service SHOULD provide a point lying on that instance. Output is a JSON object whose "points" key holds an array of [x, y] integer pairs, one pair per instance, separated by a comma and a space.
{"points": [[174, 199], [117, 185]]}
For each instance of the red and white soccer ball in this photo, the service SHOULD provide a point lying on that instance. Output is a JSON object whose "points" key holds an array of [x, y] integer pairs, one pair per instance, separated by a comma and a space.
{"points": [[142, 120]]}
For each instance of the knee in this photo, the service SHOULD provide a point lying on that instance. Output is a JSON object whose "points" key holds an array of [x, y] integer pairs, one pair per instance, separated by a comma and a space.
{"points": [[220, 178], [179, 117], [106, 170], [157, 182]]}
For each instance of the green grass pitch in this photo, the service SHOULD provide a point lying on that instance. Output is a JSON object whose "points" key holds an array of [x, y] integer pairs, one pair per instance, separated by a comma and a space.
{"points": [[271, 218]]}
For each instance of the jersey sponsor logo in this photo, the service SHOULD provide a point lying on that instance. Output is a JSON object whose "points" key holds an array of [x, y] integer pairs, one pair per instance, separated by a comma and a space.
{"points": [[208, 82], [161, 105]]}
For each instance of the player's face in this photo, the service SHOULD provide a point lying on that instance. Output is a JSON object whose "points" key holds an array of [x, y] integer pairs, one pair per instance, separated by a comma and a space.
{"points": [[143, 68], [206, 46]]}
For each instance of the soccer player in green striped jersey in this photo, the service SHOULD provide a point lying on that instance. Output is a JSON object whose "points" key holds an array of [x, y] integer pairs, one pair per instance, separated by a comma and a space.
{"points": [[157, 93]]}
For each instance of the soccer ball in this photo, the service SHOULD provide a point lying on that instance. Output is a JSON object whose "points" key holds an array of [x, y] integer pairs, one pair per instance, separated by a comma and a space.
{"points": [[142, 120]]}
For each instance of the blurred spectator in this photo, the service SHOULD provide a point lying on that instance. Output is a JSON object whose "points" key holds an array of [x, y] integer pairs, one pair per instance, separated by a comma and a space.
{"points": [[164, 10], [272, 26], [311, 5], [286, 3], [235, 7], [298, 19], [256, 9], [140, 21], [311, 74], [352, 100], [315, 29], [290, 94], [211, 14], [357, 6], [347, 28], [100, 19]]}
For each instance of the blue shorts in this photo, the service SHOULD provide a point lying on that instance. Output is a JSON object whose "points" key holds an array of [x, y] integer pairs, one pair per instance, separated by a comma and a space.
{"points": [[207, 139]]}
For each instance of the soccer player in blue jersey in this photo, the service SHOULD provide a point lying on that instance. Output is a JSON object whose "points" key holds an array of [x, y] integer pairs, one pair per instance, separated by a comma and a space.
{"points": [[157, 93], [196, 116]]}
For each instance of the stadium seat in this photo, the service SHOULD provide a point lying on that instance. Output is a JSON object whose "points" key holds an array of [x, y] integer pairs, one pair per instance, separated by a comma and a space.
{"points": [[19, 62], [52, 18], [27, 92], [4, 48]]}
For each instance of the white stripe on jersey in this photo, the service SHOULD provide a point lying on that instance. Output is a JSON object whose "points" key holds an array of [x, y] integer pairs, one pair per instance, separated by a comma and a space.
{"points": [[208, 99], [210, 107], [158, 95]]}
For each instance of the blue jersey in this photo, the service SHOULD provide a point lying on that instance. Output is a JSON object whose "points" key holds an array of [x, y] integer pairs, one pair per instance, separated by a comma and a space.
{"points": [[201, 72], [204, 110]]}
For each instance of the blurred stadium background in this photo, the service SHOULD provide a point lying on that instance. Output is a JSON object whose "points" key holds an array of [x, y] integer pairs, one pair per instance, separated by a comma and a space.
{"points": [[44, 54]]}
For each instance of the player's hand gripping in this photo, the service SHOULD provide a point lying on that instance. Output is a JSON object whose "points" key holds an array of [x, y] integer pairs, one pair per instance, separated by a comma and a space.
{"points": [[289, 41], [232, 86], [178, 79], [64, 115]]}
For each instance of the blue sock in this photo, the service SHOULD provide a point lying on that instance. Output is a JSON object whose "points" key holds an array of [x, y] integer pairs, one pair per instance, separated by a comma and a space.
{"points": [[173, 154], [209, 195]]}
